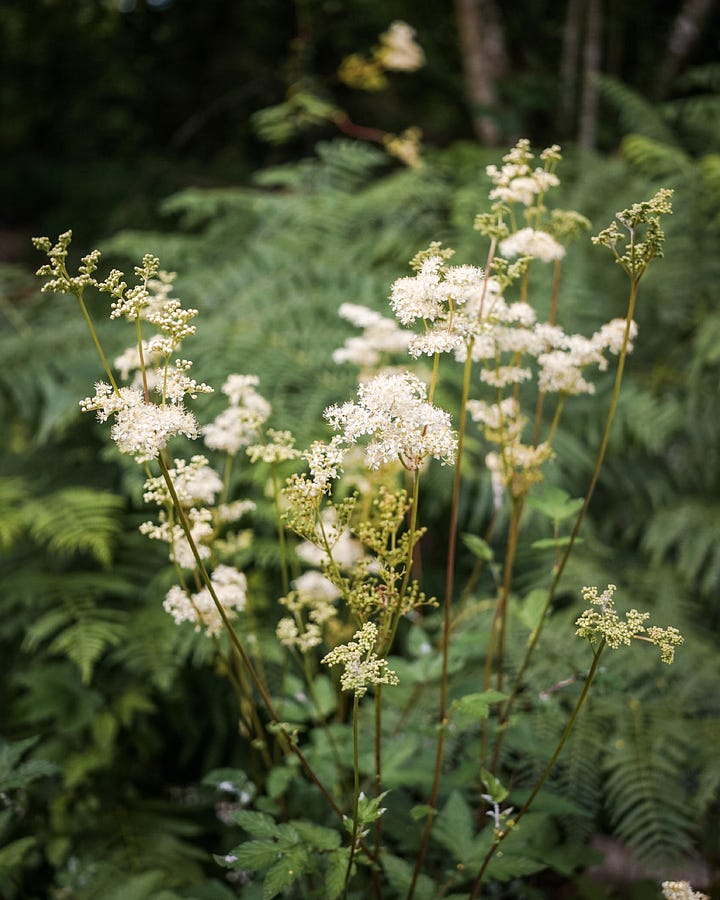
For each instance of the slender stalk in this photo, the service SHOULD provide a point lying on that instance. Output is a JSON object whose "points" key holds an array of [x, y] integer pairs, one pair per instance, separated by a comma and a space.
{"points": [[447, 627], [96, 341], [559, 569], [387, 640], [378, 765], [551, 321], [516, 513], [356, 793], [280, 530], [249, 668], [546, 771], [449, 588]]}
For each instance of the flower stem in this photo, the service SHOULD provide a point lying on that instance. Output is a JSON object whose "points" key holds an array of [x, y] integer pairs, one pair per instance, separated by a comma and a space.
{"points": [[96, 341], [249, 668], [356, 793], [559, 569], [546, 771], [447, 627]]}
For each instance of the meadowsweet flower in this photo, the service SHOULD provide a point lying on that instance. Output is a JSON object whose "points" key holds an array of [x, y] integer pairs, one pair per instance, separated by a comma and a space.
{"points": [[141, 429], [495, 416], [532, 242], [279, 447], [559, 374], [195, 483], [602, 621], [201, 531], [681, 890], [419, 296], [399, 51], [226, 513], [238, 425], [380, 335], [230, 587], [393, 411], [346, 550], [362, 665], [312, 604], [406, 147], [502, 376], [612, 334], [516, 182]]}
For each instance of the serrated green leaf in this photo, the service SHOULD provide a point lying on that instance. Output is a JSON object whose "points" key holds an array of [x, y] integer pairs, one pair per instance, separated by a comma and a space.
{"points": [[478, 547], [317, 836], [279, 780], [530, 610], [494, 786], [254, 854], [399, 873], [284, 872], [421, 811], [505, 866], [554, 503], [335, 870], [472, 707], [454, 828], [255, 823]]}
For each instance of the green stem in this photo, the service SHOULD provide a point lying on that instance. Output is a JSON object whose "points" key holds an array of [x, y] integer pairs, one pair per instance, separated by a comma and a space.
{"points": [[546, 772], [378, 765], [447, 626], [96, 341], [559, 569], [280, 530], [387, 640], [249, 668], [356, 793]]}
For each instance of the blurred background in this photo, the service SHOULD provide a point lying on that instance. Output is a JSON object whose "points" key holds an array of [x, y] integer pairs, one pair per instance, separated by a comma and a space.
{"points": [[110, 105]]}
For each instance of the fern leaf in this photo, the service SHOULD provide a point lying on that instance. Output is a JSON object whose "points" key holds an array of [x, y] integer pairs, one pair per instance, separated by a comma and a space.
{"points": [[636, 114], [82, 631], [77, 520], [656, 159], [645, 794]]}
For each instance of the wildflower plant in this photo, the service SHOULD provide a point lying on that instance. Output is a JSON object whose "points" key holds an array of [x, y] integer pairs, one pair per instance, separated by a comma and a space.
{"points": [[349, 519]]}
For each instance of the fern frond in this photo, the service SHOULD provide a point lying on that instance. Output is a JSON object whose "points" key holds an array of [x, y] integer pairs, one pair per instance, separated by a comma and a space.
{"points": [[644, 792], [82, 632], [77, 520], [688, 532], [636, 114], [654, 158]]}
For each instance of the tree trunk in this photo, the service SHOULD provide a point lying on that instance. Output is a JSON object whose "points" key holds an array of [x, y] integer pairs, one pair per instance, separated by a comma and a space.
{"points": [[482, 45], [572, 36], [686, 29], [591, 68]]}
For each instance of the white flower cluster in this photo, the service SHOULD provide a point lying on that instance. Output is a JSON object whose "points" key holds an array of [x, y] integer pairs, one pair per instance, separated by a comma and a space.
{"points": [[516, 181], [398, 50], [279, 446], [238, 425], [313, 596], [201, 531], [362, 665], [230, 587], [380, 335], [195, 482], [393, 410], [532, 242], [681, 890], [141, 429]]}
